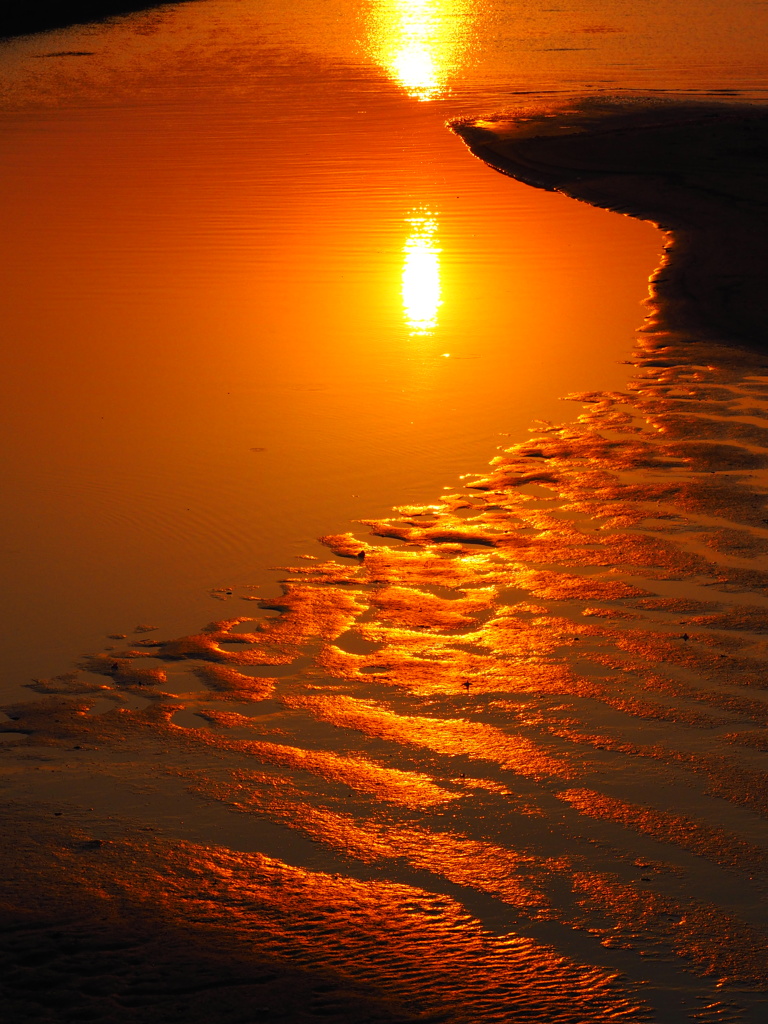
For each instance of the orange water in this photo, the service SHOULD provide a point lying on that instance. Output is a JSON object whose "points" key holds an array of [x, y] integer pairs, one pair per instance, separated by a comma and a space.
{"points": [[229, 233]]}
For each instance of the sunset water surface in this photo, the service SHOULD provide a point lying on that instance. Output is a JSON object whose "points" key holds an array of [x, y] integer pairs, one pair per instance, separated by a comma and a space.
{"points": [[385, 618]]}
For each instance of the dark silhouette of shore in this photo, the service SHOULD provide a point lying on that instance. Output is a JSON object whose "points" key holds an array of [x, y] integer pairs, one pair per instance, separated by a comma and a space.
{"points": [[18, 20], [696, 170]]}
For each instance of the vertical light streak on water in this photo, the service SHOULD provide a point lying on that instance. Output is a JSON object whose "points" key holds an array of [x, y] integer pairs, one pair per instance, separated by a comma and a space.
{"points": [[421, 274], [419, 42]]}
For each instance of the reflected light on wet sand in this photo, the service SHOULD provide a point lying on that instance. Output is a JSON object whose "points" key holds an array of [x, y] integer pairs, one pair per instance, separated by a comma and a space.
{"points": [[421, 274], [419, 43]]}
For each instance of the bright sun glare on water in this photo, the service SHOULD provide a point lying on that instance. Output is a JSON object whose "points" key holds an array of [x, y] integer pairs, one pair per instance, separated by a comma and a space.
{"points": [[421, 274], [418, 42]]}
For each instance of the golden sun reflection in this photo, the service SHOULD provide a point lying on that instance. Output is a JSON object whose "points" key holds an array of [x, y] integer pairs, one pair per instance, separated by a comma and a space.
{"points": [[421, 274], [419, 42]]}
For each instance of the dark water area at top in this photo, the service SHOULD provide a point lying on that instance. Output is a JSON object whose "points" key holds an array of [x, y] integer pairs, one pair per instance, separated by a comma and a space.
{"points": [[496, 755]]}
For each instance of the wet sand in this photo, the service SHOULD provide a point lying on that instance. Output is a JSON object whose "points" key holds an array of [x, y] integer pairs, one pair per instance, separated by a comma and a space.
{"points": [[498, 758], [74, 946]]}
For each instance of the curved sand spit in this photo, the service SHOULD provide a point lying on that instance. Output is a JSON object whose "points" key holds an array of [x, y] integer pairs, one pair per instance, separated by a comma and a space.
{"points": [[698, 171]]}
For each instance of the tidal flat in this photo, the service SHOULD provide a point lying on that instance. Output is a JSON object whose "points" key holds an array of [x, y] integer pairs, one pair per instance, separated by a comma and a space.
{"points": [[495, 755]]}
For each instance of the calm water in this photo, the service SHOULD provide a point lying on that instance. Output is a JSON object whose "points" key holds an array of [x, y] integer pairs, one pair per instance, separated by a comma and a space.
{"points": [[253, 290], [233, 227]]}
